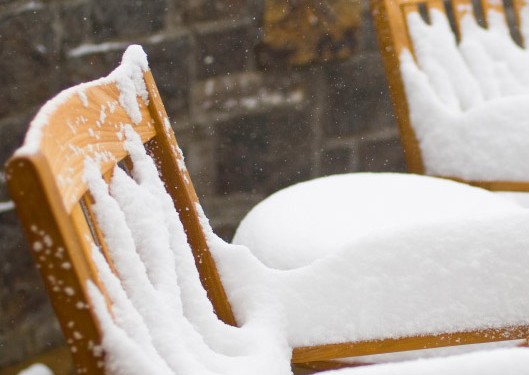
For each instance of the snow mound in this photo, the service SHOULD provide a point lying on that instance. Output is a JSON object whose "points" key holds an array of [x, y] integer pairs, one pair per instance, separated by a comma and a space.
{"points": [[491, 362], [304, 222], [36, 369]]}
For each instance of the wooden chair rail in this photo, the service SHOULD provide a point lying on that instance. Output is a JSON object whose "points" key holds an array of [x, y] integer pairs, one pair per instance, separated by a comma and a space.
{"points": [[390, 345]]}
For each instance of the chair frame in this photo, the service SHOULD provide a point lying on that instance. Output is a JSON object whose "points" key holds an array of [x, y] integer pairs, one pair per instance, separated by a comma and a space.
{"points": [[393, 37], [60, 226]]}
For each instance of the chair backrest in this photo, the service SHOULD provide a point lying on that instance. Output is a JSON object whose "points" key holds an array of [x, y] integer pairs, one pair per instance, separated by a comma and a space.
{"points": [[390, 17], [45, 179]]}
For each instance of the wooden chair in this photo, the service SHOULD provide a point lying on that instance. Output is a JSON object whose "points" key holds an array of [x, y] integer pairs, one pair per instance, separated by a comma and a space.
{"points": [[54, 206], [393, 36], [45, 181]]}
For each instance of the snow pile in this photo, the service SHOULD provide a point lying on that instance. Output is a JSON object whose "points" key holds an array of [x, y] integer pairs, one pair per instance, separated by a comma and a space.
{"points": [[395, 268], [36, 369], [492, 362], [467, 102]]}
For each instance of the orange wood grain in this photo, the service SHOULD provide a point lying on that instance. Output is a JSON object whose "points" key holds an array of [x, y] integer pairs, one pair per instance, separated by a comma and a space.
{"points": [[495, 6], [461, 9], [75, 132]]}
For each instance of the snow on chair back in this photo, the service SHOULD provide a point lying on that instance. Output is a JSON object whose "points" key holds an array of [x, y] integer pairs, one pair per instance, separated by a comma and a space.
{"points": [[391, 20], [45, 178]]}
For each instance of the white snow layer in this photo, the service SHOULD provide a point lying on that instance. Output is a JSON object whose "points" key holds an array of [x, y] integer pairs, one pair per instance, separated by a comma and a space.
{"points": [[36, 369], [308, 221], [468, 101], [425, 273], [491, 362]]}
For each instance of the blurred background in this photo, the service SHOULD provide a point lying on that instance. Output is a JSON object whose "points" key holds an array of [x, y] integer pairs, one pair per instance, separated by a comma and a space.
{"points": [[262, 94]]}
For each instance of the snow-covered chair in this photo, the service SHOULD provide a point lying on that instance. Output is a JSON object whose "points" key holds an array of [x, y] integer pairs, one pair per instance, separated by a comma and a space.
{"points": [[46, 181], [459, 90], [385, 296]]}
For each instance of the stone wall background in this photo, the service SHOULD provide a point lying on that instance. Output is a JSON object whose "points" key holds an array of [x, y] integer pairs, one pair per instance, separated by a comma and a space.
{"points": [[246, 131]]}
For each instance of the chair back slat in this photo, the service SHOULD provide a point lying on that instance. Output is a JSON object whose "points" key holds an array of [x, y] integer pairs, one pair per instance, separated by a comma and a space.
{"points": [[393, 39], [461, 9], [167, 155], [494, 5], [519, 7], [409, 8]]}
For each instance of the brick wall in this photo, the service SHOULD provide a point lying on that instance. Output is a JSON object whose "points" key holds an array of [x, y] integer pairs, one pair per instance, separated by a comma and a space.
{"points": [[246, 131]]}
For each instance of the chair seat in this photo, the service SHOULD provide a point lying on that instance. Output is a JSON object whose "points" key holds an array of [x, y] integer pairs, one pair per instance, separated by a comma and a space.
{"points": [[364, 256]]}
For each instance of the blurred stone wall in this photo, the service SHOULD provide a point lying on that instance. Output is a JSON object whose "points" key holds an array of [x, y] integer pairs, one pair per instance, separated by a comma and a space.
{"points": [[246, 131]]}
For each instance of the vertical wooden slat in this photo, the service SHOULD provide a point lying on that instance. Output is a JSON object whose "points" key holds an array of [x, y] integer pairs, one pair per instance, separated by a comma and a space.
{"points": [[492, 5], [393, 38], [165, 151], [462, 9], [437, 5], [489, 6], [90, 221], [519, 6], [407, 9]]}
